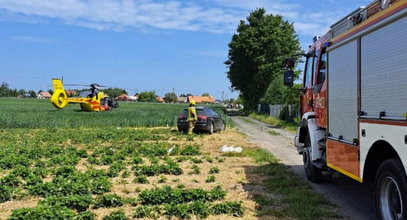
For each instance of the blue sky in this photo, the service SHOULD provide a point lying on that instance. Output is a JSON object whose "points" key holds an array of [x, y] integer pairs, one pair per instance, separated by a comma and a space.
{"points": [[139, 44]]}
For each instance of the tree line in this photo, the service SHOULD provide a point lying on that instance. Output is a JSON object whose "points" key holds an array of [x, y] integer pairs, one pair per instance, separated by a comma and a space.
{"points": [[5, 91], [145, 96]]}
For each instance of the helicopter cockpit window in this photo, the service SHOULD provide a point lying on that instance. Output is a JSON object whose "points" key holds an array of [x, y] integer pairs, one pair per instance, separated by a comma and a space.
{"points": [[85, 93]]}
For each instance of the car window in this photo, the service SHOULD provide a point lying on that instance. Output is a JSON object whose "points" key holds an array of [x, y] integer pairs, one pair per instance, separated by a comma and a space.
{"points": [[200, 112], [214, 113]]}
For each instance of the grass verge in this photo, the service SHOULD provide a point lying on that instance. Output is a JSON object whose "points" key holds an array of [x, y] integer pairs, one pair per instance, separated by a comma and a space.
{"points": [[291, 196], [291, 126]]}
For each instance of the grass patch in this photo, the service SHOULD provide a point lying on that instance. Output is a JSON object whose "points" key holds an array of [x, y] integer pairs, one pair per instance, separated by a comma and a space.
{"points": [[296, 197], [37, 113], [274, 133], [291, 126]]}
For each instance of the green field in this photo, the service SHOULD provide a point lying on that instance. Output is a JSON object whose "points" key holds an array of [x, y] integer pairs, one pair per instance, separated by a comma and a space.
{"points": [[34, 113], [127, 164]]}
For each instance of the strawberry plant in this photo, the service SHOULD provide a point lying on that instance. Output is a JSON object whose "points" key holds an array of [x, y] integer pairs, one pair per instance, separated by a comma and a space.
{"points": [[210, 179], [86, 215], [195, 170], [79, 203], [42, 212], [213, 170], [231, 208], [140, 179], [168, 195], [190, 150], [147, 212], [108, 200], [5, 193], [116, 215], [195, 160]]}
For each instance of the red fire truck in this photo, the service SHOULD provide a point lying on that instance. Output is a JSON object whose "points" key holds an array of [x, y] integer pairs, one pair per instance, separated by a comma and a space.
{"points": [[353, 108]]}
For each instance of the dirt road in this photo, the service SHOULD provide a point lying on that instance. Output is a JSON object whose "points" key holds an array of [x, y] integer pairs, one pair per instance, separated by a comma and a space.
{"points": [[355, 200]]}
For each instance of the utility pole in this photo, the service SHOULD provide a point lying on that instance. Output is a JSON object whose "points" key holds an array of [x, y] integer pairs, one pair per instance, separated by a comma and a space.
{"points": [[223, 92]]}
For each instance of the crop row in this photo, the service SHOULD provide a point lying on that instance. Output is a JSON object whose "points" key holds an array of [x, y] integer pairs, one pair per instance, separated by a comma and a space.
{"points": [[168, 201], [17, 156]]}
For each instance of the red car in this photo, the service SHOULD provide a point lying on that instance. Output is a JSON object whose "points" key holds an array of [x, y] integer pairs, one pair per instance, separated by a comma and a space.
{"points": [[208, 121]]}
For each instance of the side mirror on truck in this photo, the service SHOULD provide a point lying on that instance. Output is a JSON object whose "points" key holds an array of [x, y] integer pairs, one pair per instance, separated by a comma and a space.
{"points": [[289, 78], [289, 63]]}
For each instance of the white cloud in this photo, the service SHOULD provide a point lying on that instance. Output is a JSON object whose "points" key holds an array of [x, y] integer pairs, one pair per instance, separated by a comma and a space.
{"points": [[119, 14], [216, 16], [32, 39]]}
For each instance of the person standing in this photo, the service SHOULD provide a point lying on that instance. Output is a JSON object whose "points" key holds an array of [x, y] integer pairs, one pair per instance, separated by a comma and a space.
{"points": [[192, 117]]}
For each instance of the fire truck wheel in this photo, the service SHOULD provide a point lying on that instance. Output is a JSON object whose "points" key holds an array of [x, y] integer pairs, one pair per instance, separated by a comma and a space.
{"points": [[313, 173], [391, 190]]}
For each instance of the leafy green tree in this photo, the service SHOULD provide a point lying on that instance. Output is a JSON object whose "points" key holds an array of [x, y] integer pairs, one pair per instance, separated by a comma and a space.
{"points": [[4, 90], [114, 92], [170, 97], [256, 53], [21, 92], [205, 94], [147, 96], [185, 95], [279, 94], [32, 93]]}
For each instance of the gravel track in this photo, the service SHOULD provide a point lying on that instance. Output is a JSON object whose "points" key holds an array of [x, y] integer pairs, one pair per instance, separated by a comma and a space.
{"points": [[354, 200]]}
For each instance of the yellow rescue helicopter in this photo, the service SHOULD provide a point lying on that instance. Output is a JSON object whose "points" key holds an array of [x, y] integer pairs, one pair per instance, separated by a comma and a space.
{"points": [[90, 100]]}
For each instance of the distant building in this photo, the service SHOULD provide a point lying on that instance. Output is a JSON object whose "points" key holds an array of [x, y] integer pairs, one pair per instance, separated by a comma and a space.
{"points": [[44, 95], [182, 99], [125, 97], [202, 99], [70, 93], [159, 99]]}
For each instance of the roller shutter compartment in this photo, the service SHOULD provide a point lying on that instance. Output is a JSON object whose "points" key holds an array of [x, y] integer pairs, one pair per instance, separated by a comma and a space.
{"points": [[384, 70], [342, 92]]}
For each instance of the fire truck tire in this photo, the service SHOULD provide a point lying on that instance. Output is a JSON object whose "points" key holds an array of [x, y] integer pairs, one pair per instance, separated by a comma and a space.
{"points": [[390, 190], [313, 173]]}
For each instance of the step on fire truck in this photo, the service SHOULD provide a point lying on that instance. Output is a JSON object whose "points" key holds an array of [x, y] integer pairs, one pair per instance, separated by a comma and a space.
{"points": [[354, 103]]}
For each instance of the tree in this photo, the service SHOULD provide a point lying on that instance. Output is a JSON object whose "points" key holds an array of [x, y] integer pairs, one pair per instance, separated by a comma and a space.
{"points": [[114, 92], [185, 95], [205, 94], [277, 93], [21, 92], [32, 93], [256, 52], [170, 97], [4, 90], [147, 96]]}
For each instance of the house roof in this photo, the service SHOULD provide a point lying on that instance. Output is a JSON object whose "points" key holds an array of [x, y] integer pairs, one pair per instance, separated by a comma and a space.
{"points": [[202, 99], [159, 99], [45, 94], [70, 92]]}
